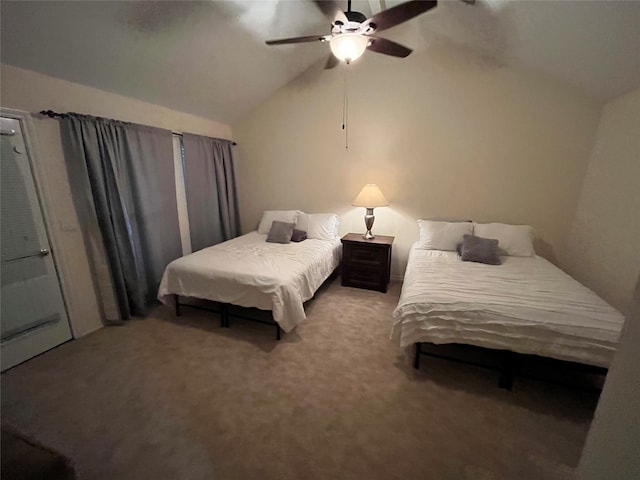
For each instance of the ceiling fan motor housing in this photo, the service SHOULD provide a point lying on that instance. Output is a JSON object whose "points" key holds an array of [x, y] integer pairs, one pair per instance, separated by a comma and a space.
{"points": [[354, 24], [355, 17]]}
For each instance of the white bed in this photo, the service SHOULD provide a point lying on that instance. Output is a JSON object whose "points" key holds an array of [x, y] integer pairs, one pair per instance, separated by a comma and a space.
{"points": [[250, 272], [526, 305]]}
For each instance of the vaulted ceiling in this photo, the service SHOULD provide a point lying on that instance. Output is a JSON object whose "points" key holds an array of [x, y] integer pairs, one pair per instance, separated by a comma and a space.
{"points": [[209, 58]]}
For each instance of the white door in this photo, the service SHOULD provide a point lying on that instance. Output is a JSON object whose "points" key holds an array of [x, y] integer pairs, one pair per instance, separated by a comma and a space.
{"points": [[33, 316]]}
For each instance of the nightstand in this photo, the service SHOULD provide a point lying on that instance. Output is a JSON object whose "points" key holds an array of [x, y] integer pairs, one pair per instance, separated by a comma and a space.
{"points": [[366, 263]]}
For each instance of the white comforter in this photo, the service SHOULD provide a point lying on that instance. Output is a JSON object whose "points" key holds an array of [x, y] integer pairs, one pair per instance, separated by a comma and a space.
{"points": [[526, 305], [250, 272]]}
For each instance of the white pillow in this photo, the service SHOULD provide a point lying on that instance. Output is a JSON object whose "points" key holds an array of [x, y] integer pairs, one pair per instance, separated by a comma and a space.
{"points": [[322, 226], [514, 240], [303, 222], [442, 235], [269, 216]]}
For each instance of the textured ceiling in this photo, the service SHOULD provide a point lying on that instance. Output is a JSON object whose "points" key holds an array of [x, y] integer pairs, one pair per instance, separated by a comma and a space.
{"points": [[209, 58]]}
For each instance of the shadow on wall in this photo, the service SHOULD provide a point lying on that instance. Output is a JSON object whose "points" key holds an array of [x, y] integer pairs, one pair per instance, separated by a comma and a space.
{"points": [[545, 250]]}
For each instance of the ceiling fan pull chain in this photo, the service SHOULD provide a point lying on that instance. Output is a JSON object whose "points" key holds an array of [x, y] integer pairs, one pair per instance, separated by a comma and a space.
{"points": [[344, 100], [345, 110]]}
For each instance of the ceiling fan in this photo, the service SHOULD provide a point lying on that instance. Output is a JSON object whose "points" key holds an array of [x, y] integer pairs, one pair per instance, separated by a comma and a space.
{"points": [[352, 33]]}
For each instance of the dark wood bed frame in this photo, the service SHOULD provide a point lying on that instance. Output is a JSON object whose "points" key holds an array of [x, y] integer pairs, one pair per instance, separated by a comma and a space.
{"points": [[508, 365]]}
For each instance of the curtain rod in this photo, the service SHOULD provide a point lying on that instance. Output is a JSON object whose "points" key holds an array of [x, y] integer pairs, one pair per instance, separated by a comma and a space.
{"points": [[180, 135], [52, 114]]}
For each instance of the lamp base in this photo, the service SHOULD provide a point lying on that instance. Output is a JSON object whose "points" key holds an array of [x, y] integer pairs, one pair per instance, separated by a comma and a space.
{"points": [[368, 222]]}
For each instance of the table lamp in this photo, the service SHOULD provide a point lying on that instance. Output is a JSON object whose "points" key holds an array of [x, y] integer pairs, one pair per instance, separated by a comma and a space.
{"points": [[370, 197]]}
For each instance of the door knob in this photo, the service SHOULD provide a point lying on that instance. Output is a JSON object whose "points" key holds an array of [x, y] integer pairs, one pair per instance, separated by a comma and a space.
{"points": [[44, 252]]}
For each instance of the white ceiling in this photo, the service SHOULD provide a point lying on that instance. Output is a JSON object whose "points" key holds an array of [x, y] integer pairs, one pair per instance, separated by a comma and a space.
{"points": [[209, 58]]}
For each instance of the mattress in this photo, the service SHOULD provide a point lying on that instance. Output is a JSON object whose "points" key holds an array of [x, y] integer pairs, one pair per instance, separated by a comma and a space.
{"points": [[250, 272], [526, 305]]}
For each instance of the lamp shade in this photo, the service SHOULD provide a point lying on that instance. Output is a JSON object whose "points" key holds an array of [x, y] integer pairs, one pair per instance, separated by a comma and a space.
{"points": [[370, 196], [348, 46]]}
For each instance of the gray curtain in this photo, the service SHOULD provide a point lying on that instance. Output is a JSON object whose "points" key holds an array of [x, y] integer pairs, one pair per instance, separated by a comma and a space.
{"points": [[129, 179], [210, 187]]}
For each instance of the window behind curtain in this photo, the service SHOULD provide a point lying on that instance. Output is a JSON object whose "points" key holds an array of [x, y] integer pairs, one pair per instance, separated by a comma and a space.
{"points": [[183, 214]]}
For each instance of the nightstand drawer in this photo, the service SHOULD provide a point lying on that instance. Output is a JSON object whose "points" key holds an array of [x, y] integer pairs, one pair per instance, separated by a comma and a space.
{"points": [[364, 277], [367, 255]]}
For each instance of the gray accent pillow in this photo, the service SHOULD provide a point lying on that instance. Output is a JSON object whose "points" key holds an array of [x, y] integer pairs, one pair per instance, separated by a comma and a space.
{"points": [[298, 235], [481, 250], [280, 232]]}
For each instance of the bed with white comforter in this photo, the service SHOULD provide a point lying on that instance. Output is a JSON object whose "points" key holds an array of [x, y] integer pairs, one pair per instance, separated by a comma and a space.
{"points": [[526, 305], [250, 272]]}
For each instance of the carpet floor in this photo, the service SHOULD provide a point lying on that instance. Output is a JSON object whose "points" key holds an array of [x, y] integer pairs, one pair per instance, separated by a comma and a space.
{"points": [[181, 398]]}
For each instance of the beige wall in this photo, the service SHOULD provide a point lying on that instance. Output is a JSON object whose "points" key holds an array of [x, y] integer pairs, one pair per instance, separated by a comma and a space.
{"points": [[602, 251], [447, 135], [31, 92], [603, 254], [611, 449]]}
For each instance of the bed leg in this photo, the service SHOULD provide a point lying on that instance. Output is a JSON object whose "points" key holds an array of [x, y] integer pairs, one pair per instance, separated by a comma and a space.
{"points": [[506, 376], [416, 361], [177, 298], [277, 332]]}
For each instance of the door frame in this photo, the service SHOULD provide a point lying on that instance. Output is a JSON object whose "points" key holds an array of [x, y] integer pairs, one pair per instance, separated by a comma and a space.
{"points": [[45, 200]]}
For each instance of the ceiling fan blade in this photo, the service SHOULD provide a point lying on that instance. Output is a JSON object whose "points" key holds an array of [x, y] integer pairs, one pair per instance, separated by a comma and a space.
{"points": [[382, 45], [400, 13], [331, 9], [332, 61], [310, 38]]}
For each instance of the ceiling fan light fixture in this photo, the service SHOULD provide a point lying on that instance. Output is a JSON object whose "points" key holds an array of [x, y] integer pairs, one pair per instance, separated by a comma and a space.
{"points": [[348, 46]]}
